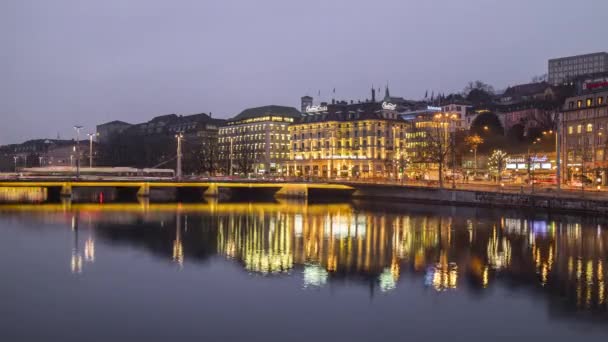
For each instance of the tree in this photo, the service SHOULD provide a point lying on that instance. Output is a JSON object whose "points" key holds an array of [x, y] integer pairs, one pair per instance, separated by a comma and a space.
{"points": [[438, 145], [201, 156], [497, 162], [540, 78], [473, 141], [244, 160], [479, 85]]}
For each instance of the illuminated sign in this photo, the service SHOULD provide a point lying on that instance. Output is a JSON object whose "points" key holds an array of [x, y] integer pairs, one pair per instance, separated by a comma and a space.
{"points": [[316, 109], [596, 83], [535, 159], [433, 108], [388, 106]]}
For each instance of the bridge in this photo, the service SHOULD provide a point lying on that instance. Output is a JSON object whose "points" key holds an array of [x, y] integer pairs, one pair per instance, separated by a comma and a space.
{"points": [[174, 190]]}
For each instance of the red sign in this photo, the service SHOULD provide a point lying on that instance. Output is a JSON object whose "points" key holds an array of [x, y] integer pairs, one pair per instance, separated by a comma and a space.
{"points": [[596, 85]]}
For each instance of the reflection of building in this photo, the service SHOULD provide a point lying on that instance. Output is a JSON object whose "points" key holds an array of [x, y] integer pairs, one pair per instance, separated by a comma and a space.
{"points": [[347, 140], [329, 244], [257, 140]]}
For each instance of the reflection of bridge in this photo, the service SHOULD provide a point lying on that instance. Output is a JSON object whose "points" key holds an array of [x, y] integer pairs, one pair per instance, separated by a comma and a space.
{"points": [[180, 190]]}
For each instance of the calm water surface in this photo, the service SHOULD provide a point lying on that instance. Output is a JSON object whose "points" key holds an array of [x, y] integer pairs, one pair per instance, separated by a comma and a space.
{"points": [[297, 272]]}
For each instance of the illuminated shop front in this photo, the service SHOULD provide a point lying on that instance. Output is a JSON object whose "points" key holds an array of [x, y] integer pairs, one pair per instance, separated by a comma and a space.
{"points": [[541, 162]]}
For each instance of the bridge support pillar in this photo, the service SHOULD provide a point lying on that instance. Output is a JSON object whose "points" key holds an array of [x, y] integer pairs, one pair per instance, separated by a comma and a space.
{"points": [[66, 190], [144, 190], [211, 191]]}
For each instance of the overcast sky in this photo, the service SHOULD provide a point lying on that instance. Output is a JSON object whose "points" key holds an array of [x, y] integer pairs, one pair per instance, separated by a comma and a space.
{"points": [[66, 62]]}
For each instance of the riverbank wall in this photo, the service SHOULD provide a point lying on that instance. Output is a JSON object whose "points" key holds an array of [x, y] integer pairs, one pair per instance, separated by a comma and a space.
{"points": [[549, 201]]}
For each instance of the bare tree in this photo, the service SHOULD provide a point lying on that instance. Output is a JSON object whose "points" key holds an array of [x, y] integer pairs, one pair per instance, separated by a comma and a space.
{"points": [[436, 147], [479, 85]]}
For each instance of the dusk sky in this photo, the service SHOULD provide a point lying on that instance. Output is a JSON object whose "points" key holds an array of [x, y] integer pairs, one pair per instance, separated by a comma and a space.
{"points": [[67, 62]]}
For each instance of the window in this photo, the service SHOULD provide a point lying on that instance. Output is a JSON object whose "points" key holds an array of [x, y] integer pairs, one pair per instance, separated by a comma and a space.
{"points": [[589, 102], [589, 127], [579, 129], [570, 129], [600, 100], [571, 105], [579, 103]]}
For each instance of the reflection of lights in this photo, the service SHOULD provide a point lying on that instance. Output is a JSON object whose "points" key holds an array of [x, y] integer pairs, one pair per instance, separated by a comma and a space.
{"points": [[387, 280], [178, 252], [89, 250], [499, 254], [484, 278], [539, 227], [76, 263], [297, 225], [442, 276], [314, 275]]}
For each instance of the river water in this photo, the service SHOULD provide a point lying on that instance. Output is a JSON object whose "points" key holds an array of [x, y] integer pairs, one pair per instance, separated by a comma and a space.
{"points": [[287, 271]]}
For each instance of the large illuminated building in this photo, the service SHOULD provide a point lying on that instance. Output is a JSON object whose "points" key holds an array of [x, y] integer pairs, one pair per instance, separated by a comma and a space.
{"points": [[430, 133], [585, 131], [257, 140], [341, 139]]}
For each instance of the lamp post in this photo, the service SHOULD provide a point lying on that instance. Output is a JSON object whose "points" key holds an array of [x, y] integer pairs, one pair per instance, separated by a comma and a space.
{"points": [[178, 172], [77, 128], [91, 135]]}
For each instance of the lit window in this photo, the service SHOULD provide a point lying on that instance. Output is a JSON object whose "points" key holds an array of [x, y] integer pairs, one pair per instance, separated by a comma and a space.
{"points": [[589, 127], [570, 129], [589, 102], [579, 129], [579, 103], [600, 100]]}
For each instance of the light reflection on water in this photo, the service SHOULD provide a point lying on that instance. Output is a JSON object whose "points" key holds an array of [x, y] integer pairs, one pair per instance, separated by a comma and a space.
{"points": [[561, 260]]}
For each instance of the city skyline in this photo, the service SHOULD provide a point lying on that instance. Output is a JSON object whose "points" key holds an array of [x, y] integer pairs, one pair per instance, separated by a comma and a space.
{"points": [[132, 62]]}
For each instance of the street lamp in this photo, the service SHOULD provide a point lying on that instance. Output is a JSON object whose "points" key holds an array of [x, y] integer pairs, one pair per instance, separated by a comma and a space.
{"points": [[178, 172], [91, 135], [77, 128]]}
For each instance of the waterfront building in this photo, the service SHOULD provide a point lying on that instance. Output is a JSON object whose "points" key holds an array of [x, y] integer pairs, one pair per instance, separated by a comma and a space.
{"points": [[41, 152], [530, 105], [584, 128], [257, 140], [341, 139], [154, 142], [107, 130], [429, 138], [565, 69]]}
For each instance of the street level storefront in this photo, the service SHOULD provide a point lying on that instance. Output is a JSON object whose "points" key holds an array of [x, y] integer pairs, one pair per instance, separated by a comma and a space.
{"points": [[537, 163]]}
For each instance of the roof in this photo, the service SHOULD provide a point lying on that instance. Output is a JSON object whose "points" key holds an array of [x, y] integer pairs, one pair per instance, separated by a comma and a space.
{"points": [[161, 118], [115, 122], [256, 112], [348, 112], [527, 89]]}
